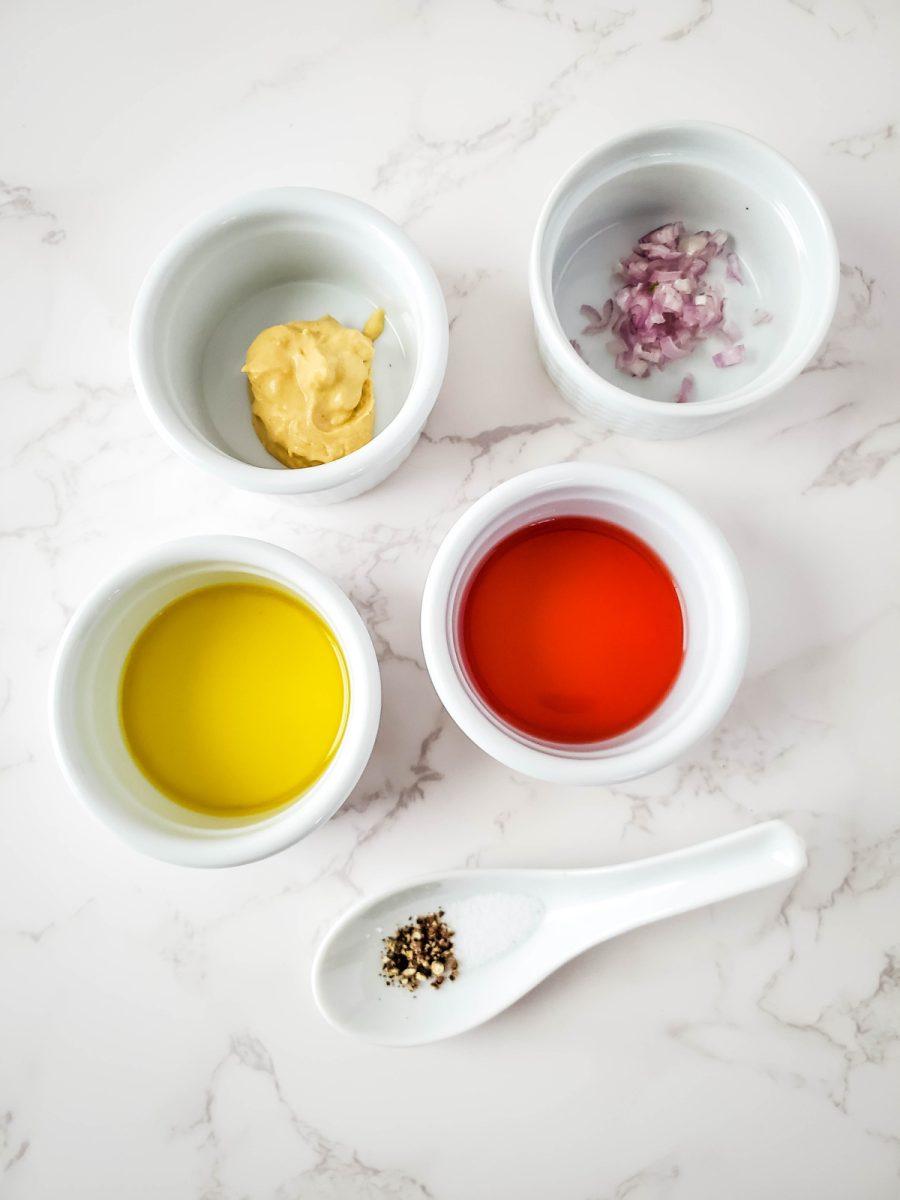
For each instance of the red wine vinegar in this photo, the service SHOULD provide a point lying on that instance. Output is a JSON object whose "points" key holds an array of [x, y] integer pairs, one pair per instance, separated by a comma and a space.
{"points": [[571, 630]]}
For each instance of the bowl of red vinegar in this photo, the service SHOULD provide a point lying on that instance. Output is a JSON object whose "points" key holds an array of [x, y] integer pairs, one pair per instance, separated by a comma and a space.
{"points": [[585, 624]]}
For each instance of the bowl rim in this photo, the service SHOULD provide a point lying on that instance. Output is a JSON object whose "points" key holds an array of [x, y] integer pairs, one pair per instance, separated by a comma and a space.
{"points": [[229, 846], [601, 389], [617, 765], [428, 377]]}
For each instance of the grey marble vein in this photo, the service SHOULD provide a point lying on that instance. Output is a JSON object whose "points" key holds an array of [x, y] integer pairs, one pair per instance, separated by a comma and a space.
{"points": [[651, 1183], [13, 1147], [857, 312], [864, 458], [863, 145], [17, 203], [430, 167], [843, 18], [598, 22], [703, 13], [336, 1171]]}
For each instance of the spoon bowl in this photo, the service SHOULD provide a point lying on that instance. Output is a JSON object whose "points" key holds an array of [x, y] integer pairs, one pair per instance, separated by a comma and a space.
{"points": [[514, 927]]}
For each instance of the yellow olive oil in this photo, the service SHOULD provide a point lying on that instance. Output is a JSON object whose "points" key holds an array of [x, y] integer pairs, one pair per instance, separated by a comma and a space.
{"points": [[234, 698]]}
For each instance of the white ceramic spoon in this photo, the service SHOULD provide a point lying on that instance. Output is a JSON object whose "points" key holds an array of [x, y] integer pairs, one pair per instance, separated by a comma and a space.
{"points": [[515, 927]]}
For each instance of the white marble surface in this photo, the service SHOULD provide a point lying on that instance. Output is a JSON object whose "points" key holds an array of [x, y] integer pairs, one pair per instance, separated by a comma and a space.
{"points": [[157, 1034]]}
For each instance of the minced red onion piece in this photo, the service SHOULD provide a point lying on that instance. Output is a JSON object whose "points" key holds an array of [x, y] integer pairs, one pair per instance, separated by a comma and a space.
{"points": [[730, 357], [760, 317], [577, 349], [733, 268], [684, 392], [597, 321]]}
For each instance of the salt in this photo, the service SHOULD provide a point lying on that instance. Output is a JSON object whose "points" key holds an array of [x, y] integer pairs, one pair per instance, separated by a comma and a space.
{"points": [[491, 924]]}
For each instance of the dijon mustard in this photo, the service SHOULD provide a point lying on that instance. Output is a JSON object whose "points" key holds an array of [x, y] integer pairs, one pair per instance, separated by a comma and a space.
{"points": [[311, 391]]}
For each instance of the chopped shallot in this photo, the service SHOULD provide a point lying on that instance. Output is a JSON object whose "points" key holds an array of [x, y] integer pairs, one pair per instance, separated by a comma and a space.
{"points": [[597, 321], [733, 268], [760, 317], [577, 349], [730, 357], [684, 392], [664, 306]]}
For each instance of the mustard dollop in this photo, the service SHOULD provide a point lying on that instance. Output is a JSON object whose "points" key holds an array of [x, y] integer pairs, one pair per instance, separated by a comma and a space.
{"points": [[311, 388]]}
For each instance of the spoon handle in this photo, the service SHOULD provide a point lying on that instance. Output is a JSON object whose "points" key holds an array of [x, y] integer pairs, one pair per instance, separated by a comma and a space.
{"points": [[623, 897]]}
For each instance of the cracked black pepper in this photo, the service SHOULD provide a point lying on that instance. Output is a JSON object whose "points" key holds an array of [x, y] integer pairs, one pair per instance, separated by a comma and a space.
{"points": [[420, 952]]}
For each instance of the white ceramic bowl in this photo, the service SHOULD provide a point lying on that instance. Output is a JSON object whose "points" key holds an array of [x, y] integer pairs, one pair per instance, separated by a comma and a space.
{"points": [[711, 177], [84, 707], [289, 254], [713, 598]]}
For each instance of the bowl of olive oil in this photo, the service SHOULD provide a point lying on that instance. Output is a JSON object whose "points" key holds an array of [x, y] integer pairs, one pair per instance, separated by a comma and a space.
{"points": [[215, 700]]}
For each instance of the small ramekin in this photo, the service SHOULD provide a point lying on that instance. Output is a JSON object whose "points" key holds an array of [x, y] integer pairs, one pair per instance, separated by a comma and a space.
{"points": [[713, 596], [712, 177], [84, 703], [269, 257]]}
